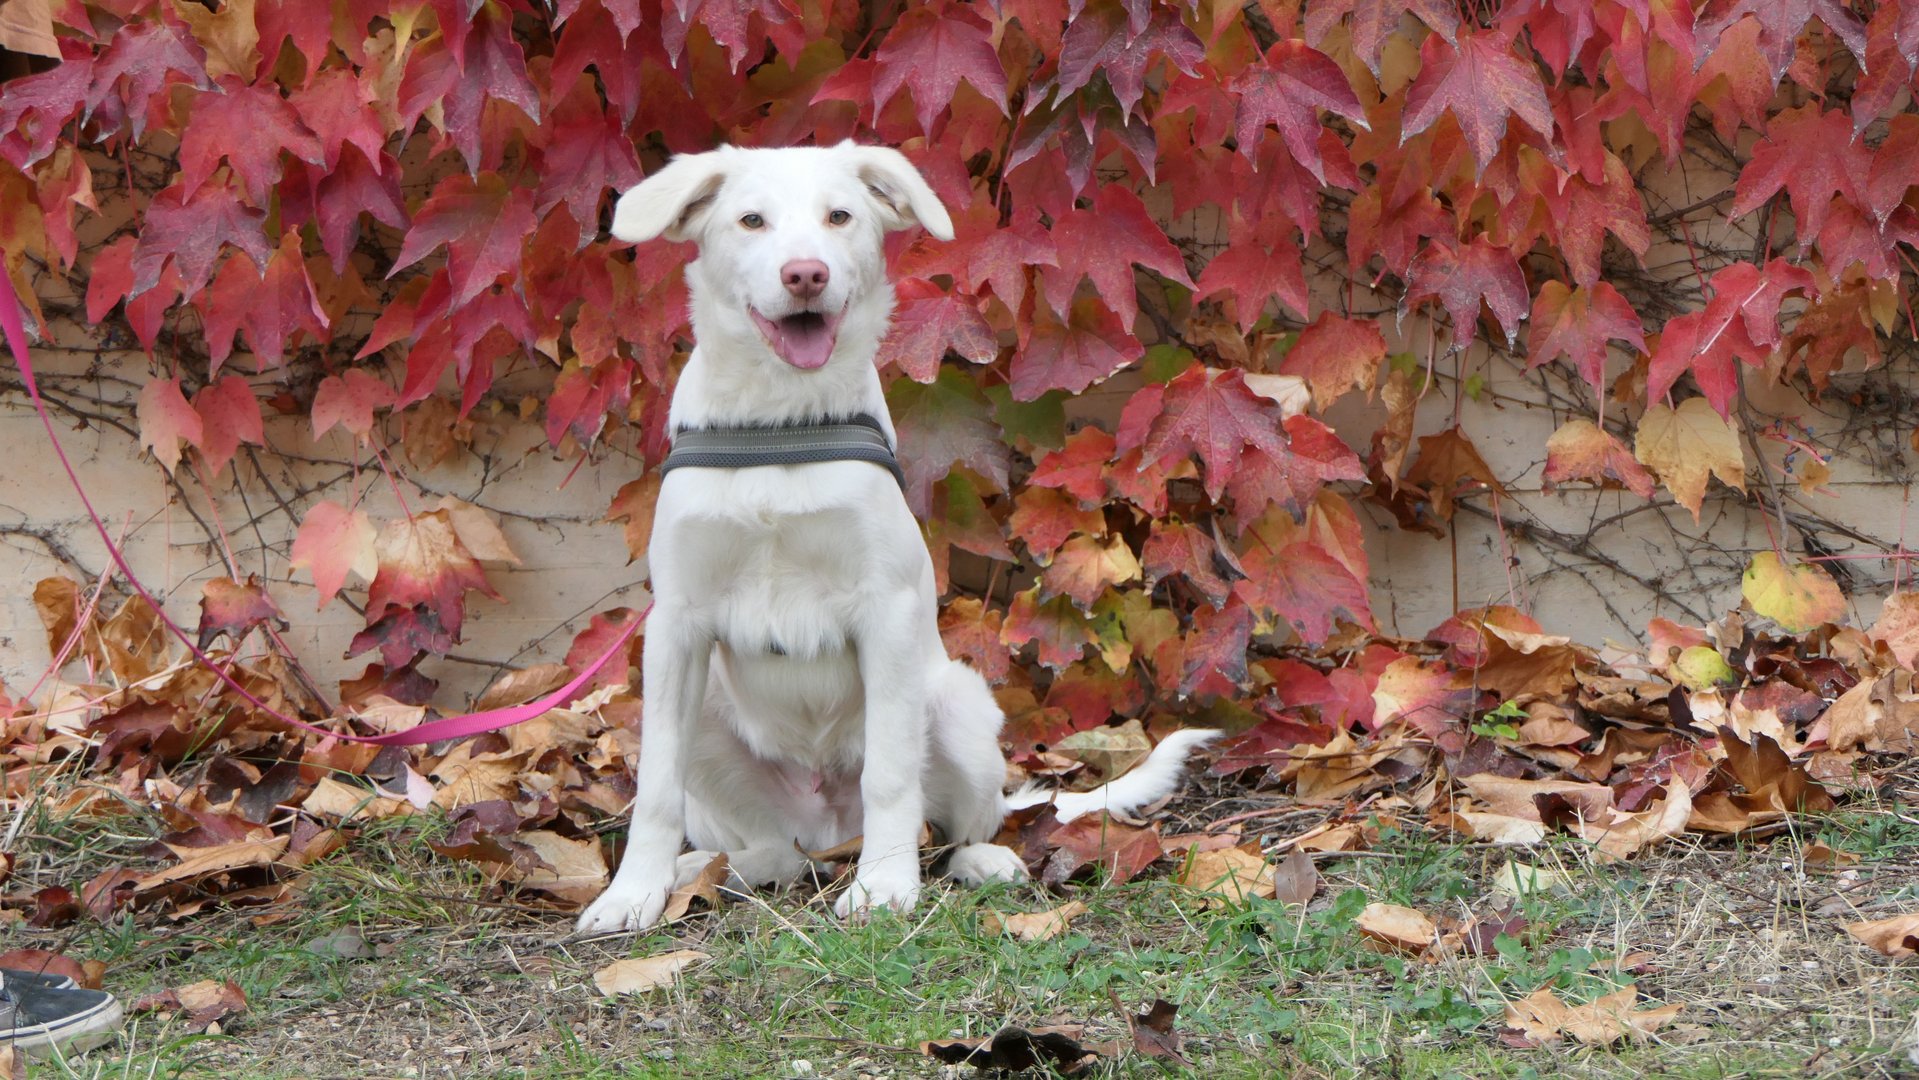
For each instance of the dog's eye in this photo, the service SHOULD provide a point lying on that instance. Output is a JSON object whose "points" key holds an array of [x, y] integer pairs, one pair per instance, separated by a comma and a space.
{"points": [[753, 221], [838, 217]]}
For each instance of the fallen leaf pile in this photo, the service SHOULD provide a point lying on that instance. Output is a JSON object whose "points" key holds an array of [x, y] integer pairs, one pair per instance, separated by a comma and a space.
{"points": [[1487, 727]]}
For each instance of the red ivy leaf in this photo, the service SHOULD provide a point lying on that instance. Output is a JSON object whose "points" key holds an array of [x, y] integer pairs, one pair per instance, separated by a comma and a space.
{"points": [[423, 563], [929, 323], [944, 423], [1303, 585], [1103, 243], [587, 152], [348, 399], [191, 230], [1175, 547], [230, 608], [1461, 276], [1813, 155], [1079, 468], [1043, 518], [1582, 450], [1315, 457], [1057, 628], [1287, 90], [271, 308], [971, 631], [1212, 413], [1210, 659], [494, 67], [1739, 324], [1576, 323], [1251, 275], [1087, 348], [1102, 41], [333, 540], [1335, 355], [929, 51], [483, 224], [1084, 567], [1373, 21], [602, 630], [249, 126], [166, 421], [340, 195], [229, 416], [1480, 80]]}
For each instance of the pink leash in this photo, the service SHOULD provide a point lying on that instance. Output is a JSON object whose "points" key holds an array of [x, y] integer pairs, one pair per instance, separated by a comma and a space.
{"points": [[452, 727]]}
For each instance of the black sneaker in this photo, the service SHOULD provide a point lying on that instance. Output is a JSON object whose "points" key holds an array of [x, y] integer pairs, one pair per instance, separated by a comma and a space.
{"points": [[38, 1019], [44, 979]]}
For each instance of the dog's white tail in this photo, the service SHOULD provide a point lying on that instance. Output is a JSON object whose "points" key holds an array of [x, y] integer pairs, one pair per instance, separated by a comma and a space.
{"points": [[1150, 780]]}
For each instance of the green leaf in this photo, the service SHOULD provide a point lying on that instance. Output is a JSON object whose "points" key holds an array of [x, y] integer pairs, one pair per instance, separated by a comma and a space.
{"points": [[1040, 423], [1164, 363]]}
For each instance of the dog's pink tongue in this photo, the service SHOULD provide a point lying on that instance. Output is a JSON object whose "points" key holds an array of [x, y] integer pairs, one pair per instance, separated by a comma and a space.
{"points": [[805, 344]]}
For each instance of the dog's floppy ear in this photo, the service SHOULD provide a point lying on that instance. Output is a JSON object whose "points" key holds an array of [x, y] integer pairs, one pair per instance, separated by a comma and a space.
{"points": [[902, 193], [670, 202]]}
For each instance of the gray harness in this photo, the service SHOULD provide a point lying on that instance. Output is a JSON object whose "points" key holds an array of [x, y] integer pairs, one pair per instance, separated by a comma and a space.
{"points": [[857, 438]]}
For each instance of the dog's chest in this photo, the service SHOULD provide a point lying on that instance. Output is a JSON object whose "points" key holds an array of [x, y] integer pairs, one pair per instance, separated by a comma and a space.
{"points": [[774, 583]]}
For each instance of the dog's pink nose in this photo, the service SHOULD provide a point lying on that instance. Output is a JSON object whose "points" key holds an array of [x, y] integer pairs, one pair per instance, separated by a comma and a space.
{"points": [[805, 278]]}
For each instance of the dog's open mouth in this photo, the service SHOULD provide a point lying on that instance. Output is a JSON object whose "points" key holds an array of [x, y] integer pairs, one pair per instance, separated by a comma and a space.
{"points": [[804, 340]]}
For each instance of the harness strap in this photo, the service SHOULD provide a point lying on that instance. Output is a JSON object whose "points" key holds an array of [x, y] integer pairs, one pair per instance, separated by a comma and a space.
{"points": [[859, 438]]}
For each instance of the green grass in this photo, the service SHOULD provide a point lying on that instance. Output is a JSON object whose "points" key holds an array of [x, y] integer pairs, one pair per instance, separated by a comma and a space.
{"points": [[459, 989]]}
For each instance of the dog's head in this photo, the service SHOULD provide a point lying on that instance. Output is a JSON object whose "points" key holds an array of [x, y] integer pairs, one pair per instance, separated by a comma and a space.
{"points": [[790, 239]]}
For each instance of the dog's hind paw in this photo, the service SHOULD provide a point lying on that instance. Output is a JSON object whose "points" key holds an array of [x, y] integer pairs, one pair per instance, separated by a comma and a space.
{"points": [[621, 910], [977, 864]]}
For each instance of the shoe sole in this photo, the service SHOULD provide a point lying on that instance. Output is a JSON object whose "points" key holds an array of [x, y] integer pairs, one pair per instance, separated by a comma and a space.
{"points": [[76, 1035]]}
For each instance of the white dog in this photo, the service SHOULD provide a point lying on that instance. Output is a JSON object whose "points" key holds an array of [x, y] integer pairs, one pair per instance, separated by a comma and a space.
{"points": [[797, 693]]}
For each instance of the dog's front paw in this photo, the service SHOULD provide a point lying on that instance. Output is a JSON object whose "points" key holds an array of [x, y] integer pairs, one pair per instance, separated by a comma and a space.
{"points": [[621, 908], [899, 892]]}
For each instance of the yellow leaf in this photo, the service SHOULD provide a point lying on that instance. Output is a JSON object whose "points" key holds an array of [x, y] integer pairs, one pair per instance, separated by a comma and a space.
{"points": [[230, 36], [1688, 445], [1701, 666], [1799, 597]]}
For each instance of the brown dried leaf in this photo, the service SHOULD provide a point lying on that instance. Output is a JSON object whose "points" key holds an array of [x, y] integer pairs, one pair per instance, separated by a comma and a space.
{"points": [[1229, 877], [1120, 850], [1393, 928], [260, 849], [572, 870], [1543, 1017], [1036, 925], [705, 888], [1296, 878], [519, 687], [1153, 1031], [204, 1003], [639, 974], [1897, 937]]}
